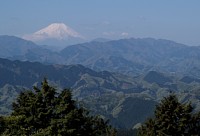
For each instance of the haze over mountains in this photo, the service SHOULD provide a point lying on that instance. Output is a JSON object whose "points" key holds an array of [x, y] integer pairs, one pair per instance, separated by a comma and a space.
{"points": [[134, 55], [128, 56], [16, 48], [116, 78]]}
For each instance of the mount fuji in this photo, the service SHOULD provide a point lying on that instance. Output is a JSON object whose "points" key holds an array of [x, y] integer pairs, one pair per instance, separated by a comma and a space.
{"points": [[55, 36]]}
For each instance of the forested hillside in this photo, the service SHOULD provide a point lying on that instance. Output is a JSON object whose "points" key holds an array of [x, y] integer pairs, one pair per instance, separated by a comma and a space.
{"points": [[115, 96]]}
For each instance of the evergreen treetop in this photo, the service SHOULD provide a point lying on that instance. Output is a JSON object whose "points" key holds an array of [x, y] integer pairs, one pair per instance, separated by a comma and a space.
{"points": [[172, 118], [44, 112]]}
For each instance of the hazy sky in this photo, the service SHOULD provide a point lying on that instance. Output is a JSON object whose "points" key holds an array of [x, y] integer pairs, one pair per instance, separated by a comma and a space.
{"points": [[177, 20]]}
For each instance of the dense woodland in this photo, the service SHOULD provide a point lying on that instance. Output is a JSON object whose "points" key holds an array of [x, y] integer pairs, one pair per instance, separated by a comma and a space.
{"points": [[172, 118], [43, 111]]}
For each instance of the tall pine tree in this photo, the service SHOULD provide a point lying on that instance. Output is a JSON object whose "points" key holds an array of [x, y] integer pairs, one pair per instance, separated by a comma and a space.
{"points": [[45, 112], [172, 118]]}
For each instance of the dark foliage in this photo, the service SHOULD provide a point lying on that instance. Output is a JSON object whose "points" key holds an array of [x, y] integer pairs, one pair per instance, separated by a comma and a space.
{"points": [[44, 112], [172, 118]]}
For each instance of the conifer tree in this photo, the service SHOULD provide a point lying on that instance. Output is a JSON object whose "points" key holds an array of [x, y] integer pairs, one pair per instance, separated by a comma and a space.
{"points": [[47, 113], [172, 118]]}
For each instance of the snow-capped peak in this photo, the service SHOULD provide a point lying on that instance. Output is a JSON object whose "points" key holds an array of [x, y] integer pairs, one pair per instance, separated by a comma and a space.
{"points": [[58, 31]]}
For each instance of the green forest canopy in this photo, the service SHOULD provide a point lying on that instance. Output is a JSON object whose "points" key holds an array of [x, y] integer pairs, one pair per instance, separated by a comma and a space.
{"points": [[44, 112], [172, 118]]}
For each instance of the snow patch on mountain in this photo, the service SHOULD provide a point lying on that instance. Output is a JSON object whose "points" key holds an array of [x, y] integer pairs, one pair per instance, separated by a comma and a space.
{"points": [[58, 31]]}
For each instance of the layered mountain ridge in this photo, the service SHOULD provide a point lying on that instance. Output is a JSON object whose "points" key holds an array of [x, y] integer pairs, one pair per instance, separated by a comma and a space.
{"points": [[128, 56], [112, 95], [94, 89]]}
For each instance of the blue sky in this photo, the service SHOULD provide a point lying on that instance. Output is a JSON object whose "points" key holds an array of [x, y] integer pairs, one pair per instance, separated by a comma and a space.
{"points": [[177, 20]]}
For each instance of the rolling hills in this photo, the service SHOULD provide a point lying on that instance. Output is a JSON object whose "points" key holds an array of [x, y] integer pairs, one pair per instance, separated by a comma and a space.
{"points": [[111, 78], [128, 56], [135, 56], [88, 86], [15, 48], [120, 98]]}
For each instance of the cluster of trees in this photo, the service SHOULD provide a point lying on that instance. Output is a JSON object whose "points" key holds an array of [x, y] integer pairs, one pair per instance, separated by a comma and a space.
{"points": [[44, 112], [172, 118]]}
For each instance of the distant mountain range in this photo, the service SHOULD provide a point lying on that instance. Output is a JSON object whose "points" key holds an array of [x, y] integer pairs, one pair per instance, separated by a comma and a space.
{"points": [[124, 100], [127, 56], [15, 48], [102, 92], [134, 56], [121, 80]]}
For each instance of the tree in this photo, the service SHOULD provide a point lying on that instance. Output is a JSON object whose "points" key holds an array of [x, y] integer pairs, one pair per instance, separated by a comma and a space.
{"points": [[45, 112], [172, 118]]}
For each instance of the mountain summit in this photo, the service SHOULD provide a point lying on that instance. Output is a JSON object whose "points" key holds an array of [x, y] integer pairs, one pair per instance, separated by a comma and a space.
{"points": [[58, 31]]}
